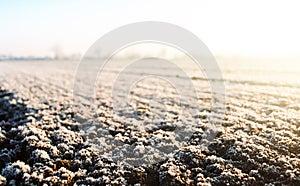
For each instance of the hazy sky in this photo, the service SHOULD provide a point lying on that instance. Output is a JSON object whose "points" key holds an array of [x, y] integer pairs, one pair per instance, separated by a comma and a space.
{"points": [[226, 27]]}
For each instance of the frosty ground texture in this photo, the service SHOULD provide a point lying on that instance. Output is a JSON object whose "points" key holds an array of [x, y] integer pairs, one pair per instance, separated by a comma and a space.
{"points": [[40, 139]]}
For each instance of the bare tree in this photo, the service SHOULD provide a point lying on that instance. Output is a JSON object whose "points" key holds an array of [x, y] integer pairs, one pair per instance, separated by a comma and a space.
{"points": [[57, 52]]}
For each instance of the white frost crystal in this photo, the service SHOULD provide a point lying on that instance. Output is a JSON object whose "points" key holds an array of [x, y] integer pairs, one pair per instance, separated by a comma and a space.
{"points": [[16, 169]]}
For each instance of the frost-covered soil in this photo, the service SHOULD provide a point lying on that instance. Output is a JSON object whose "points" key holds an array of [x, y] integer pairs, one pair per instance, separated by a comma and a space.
{"points": [[257, 143]]}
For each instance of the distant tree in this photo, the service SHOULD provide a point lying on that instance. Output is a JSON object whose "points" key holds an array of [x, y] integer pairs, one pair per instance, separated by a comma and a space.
{"points": [[57, 52]]}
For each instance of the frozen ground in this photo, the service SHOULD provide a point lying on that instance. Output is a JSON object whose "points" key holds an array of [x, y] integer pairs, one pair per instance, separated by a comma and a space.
{"points": [[257, 144]]}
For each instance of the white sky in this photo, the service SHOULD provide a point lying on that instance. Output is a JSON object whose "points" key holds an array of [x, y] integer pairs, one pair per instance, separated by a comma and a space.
{"points": [[255, 28]]}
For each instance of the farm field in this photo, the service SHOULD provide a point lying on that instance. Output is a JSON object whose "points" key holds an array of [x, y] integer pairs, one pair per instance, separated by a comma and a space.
{"points": [[257, 142]]}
